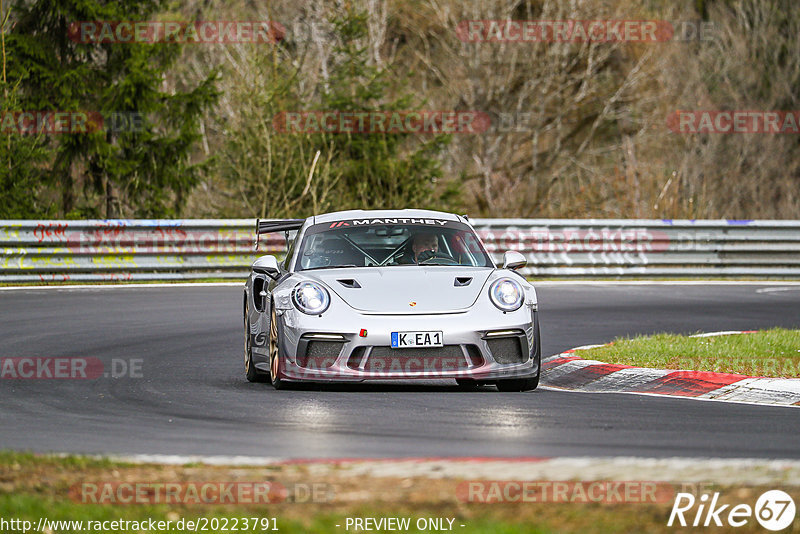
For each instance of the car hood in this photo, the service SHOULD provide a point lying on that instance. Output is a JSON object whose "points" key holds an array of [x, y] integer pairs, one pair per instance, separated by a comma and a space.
{"points": [[406, 289]]}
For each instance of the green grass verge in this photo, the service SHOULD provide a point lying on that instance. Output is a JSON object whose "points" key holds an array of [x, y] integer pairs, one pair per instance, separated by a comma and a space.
{"points": [[772, 353], [34, 487], [538, 519]]}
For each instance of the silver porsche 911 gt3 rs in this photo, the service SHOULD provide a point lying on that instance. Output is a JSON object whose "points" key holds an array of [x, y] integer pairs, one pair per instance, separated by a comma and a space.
{"points": [[389, 295]]}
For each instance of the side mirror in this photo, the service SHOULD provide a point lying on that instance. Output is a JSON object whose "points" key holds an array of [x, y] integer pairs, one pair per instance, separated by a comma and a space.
{"points": [[514, 260], [267, 265]]}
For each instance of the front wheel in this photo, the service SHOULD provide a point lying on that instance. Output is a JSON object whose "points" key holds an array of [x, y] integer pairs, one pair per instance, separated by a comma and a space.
{"points": [[276, 373], [518, 384], [467, 384]]}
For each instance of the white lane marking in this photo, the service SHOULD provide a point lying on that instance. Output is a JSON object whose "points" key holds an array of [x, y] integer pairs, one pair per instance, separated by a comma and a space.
{"points": [[723, 333], [179, 459], [776, 289], [587, 347], [120, 286], [764, 403]]}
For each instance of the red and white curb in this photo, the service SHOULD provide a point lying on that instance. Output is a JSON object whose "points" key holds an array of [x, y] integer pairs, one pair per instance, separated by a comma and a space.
{"points": [[569, 371]]}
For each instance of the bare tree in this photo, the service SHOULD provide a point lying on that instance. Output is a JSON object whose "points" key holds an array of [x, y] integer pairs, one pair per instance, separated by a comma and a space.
{"points": [[578, 128]]}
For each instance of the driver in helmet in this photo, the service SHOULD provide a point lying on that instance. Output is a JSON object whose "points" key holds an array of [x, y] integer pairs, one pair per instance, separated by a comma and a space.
{"points": [[424, 246]]}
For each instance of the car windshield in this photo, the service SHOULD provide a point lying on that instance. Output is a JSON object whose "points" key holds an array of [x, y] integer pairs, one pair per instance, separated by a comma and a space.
{"points": [[372, 243]]}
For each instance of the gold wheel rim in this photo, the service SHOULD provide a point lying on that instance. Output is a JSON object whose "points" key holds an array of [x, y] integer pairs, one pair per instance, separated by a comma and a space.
{"points": [[273, 345], [246, 344]]}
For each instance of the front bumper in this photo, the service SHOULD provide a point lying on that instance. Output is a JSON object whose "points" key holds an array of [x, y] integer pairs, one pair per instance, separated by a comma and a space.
{"points": [[480, 344]]}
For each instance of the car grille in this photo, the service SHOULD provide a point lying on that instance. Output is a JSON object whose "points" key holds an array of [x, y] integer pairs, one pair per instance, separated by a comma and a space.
{"points": [[430, 359], [448, 351], [506, 349], [320, 354]]}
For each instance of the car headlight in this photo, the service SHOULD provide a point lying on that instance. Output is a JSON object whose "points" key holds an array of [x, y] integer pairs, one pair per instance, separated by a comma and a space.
{"points": [[311, 298], [506, 294]]}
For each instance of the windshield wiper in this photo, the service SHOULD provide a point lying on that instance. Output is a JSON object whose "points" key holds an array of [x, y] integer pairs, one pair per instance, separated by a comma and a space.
{"points": [[426, 264]]}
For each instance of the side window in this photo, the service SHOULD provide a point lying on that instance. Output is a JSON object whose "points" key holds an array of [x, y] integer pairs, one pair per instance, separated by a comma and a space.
{"points": [[312, 246], [468, 248], [258, 287]]}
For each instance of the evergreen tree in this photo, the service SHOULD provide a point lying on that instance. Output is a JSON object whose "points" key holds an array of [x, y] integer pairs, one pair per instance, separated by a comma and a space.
{"points": [[21, 160], [141, 171], [378, 170]]}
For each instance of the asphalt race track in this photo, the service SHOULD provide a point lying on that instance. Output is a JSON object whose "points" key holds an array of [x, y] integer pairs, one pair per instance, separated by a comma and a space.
{"points": [[192, 397]]}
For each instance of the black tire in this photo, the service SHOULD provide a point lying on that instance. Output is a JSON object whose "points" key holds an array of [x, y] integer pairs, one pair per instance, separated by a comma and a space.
{"points": [[275, 359], [518, 384], [250, 372], [467, 384], [526, 384]]}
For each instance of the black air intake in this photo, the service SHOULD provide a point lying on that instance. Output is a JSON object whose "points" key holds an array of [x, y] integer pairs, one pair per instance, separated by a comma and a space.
{"points": [[320, 354], [506, 349]]}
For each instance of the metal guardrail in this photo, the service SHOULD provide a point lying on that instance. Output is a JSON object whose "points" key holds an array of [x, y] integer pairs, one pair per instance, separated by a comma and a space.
{"points": [[649, 248], [107, 250], [104, 250]]}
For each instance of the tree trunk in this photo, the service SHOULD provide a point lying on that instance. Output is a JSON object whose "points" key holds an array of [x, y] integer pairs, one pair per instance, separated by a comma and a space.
{"points": [[110, 209], [67, 195]]}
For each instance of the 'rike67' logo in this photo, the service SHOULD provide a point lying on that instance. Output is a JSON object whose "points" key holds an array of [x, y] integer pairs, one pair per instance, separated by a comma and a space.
{"points": [[774, 510]]}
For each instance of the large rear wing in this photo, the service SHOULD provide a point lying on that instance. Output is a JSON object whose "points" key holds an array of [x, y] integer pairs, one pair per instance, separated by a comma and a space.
{"points": [[277, 225]]}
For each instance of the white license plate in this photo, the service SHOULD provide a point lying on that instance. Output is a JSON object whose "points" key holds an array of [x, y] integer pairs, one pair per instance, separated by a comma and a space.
{"points": [[405, 340]]}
